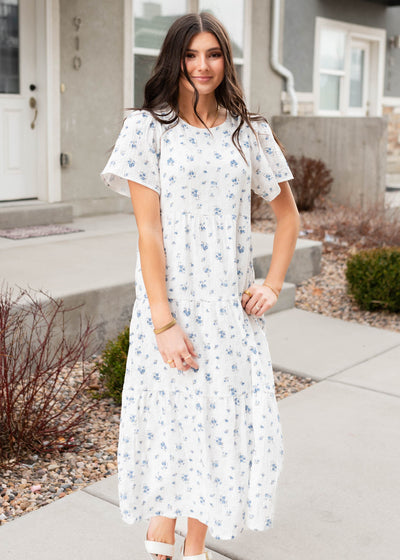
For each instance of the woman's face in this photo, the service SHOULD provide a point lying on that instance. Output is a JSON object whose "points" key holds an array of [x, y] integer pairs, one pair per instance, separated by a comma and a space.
{"points": [[205, 64]]}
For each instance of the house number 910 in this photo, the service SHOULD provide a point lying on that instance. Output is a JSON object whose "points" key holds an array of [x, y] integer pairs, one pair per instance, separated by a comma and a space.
{"points": [[77, 61]]}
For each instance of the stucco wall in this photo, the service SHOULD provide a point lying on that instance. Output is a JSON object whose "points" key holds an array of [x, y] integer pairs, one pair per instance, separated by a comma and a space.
{"points": [[92, 103], [265, 84]]}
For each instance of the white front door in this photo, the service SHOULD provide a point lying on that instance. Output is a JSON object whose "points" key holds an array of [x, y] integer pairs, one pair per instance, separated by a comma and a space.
{"points": [[18, 100]]}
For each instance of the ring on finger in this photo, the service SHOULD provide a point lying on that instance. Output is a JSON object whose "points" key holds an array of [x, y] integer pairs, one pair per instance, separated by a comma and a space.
{"points": [[247, 292], [257, 307]]}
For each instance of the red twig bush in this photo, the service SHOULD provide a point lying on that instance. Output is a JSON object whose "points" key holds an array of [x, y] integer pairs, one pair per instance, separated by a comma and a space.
{"points": [[40, 407]]}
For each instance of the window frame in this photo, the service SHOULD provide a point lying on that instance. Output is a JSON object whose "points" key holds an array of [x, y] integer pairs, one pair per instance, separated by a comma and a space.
{"points": [[376, 37]]}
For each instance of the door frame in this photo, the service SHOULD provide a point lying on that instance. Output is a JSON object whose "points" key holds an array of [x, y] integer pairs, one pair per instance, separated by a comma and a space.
{"points": [[48, 69]]}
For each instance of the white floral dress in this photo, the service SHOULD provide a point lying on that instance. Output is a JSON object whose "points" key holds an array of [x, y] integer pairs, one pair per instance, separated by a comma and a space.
{"points": [[208, 443]]}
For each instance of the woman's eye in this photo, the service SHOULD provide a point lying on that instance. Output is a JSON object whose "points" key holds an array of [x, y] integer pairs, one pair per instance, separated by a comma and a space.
{"points": [[216, 55]]}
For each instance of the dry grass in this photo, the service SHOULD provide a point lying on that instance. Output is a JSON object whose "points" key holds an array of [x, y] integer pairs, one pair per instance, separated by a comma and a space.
{"points": [[340, 226]]}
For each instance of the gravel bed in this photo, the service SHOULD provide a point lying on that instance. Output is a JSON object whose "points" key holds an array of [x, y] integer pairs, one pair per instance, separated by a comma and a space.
{"points": [[338, 230], [327, 294], [39, 480]]}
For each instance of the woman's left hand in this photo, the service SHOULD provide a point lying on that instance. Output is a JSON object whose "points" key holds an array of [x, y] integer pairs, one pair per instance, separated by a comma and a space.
{"points": [[262, 298]]}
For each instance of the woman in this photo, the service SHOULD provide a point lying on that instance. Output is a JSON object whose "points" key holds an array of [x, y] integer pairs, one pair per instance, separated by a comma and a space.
{"points": [[200, 434]]}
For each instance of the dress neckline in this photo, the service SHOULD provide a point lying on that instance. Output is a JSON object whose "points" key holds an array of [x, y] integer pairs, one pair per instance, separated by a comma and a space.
{"points": [[184, 123]]}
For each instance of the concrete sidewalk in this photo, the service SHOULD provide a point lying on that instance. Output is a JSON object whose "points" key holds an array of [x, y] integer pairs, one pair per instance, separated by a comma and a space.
{"points": [[338, 492]]}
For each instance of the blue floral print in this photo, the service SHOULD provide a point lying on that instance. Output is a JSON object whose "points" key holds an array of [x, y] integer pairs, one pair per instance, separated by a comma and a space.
{"points": [[207, 443]]}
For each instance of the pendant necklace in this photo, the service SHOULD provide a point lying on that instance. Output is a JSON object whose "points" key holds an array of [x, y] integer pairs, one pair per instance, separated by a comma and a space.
{"points": [[214, 121]]}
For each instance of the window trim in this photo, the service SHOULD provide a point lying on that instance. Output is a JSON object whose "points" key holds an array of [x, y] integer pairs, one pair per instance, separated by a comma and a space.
{"points": [[377, 38]]}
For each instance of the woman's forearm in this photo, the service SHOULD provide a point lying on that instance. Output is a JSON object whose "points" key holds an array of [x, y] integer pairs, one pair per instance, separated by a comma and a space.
{"points": [[285, 238], [152, 259]]}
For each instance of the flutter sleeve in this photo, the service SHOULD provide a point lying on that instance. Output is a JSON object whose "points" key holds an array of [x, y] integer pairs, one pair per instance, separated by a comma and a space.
{"points": [[135, 156], [269, 166]]}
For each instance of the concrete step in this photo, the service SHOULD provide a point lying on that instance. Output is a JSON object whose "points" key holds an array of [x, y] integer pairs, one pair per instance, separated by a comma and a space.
{"points": [[95, 268], [34, 213], [306, 261]]}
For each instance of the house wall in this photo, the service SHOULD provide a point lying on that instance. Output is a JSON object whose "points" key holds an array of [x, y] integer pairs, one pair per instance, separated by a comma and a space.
{"points": [[391, 105], [300, 15], [265, 83], [298, 56], [92, 103]]}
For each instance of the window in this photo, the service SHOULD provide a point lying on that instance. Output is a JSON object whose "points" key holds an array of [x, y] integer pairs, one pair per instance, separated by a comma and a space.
{"points": [[153, 19], [347, 56], [9, 46], [332, 71]]}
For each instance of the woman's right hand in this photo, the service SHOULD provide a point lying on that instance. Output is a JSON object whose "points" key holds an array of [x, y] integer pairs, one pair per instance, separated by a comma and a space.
{"points": [[175, 345]]}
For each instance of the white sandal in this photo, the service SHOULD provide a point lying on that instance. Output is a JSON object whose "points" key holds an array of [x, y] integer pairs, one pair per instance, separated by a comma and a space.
{"points": [[154, 548], [203, 556]]}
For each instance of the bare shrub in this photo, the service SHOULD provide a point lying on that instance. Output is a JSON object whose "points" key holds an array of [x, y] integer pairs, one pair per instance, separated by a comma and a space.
{"points": [[375, 225], [312, 180], [39, 405]]}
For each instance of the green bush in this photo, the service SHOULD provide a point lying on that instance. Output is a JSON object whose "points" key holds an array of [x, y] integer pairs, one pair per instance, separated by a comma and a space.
{"points": [[112, 365], [373, 277]]}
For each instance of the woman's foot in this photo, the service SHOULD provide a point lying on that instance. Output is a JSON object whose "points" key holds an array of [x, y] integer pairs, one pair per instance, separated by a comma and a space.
{"points": [[193, 548], [162, 529], [195, 538]]}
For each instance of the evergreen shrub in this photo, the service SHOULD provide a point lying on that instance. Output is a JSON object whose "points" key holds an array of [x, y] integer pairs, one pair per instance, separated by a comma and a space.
{"points": [[112, 365], [373, 277]]}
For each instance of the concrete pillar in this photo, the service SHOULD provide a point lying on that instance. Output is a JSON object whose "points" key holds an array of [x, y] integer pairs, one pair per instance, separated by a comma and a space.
{"points": [[353, 148]]}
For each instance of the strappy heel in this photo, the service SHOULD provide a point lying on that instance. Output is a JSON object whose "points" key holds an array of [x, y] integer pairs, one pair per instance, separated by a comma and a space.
{"points": [[203, 556], [154, 548]]}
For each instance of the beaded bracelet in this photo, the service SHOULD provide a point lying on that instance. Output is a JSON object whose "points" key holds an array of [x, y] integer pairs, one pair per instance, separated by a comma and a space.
{"points": [[271, 288], [165, 327]]}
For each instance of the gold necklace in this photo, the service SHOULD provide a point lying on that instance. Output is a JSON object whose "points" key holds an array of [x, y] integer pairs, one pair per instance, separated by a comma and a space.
{"points": [[213, 123]]}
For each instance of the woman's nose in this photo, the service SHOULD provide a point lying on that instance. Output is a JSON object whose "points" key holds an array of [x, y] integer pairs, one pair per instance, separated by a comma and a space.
{"points": [[202, 62]]}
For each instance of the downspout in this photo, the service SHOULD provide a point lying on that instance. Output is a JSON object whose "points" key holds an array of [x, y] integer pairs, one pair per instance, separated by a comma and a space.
{"points": [[276, 65]]}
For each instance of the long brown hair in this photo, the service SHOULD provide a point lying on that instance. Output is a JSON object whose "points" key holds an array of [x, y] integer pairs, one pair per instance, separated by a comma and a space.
{"points": [[162, 89]]}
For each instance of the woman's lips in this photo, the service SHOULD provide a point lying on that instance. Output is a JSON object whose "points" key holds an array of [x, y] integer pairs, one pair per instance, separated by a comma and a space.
{"points": [[201, 78]]}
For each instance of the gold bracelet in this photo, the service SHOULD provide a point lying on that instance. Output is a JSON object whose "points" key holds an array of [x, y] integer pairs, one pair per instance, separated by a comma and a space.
{"points": [[271, 288], [165, 327]]}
